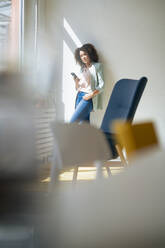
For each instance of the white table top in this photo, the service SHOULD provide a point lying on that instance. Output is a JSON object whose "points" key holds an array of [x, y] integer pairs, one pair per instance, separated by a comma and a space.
{"points": [[127, 210]]}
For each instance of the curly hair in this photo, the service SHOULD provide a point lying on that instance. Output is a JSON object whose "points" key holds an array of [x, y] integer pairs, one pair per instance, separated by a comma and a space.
{"points": [[90, 50]]}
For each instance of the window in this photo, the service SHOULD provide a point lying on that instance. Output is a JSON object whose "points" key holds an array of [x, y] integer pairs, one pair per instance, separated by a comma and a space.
{"points": [[5, 19]]}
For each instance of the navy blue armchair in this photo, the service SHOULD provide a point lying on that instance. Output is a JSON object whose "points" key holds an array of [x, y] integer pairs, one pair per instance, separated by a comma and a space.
{"points": [[122, 105]]}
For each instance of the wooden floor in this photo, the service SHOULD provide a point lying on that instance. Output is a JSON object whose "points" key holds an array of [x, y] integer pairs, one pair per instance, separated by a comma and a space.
{"points": [[86, 173]]}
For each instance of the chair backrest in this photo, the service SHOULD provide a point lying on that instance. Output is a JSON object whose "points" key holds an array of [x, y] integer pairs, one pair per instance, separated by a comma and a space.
{"points": [[79, 144], [136, 137], [123, 102]]}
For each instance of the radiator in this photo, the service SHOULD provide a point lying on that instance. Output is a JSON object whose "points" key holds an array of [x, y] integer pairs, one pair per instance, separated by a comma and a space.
{"points": [[44, 135]]}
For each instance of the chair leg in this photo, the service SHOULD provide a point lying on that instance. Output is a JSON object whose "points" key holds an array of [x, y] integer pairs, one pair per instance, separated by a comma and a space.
{"points": [[54, 174], [75, 173], [108, 170], [99, 173], [119, 150]]}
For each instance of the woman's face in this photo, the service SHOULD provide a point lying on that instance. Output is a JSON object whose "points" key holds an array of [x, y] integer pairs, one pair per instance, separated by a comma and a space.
{"points": [[85, 58]]}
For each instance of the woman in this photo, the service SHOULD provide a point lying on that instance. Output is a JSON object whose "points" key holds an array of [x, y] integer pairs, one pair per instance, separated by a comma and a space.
{"points": [[89, 83]]}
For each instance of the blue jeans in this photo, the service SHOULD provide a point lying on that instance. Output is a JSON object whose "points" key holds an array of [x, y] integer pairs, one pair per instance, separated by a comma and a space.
{"points": [[82, 108]]}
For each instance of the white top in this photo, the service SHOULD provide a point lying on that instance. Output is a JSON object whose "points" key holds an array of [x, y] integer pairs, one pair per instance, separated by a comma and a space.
{"points": [[92, 80], [84, 84]]}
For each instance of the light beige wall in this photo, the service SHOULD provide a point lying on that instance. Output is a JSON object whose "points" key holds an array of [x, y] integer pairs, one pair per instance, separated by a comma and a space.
{"points": [[130, 38]]}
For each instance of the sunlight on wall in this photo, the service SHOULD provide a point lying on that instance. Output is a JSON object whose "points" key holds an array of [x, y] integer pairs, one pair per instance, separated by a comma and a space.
{"points": [[68, 86], [72, 34]]}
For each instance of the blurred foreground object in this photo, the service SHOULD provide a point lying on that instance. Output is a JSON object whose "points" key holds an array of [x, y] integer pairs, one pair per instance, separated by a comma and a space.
{"points": [[17, 130], [126, 211], [18, 164], [77, 145], [135, 138]]}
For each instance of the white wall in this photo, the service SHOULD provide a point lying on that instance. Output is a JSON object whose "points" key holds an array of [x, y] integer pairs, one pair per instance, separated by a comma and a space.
{"points": [[130, 38]]}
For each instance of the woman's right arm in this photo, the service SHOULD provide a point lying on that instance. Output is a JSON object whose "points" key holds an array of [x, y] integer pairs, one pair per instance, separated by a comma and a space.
{"points": [[76, 80]]}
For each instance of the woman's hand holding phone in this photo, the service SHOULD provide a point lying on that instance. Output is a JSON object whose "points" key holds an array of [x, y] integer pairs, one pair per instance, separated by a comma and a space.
{"points": [[76, 80], [73, 75]]}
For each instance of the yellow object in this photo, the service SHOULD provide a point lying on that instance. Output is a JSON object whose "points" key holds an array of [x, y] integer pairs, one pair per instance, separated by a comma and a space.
{"points": [[135, 137]]}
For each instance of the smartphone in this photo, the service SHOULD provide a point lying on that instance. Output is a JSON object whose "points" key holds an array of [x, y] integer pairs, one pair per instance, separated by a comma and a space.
{"points": [[73, 74]]}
